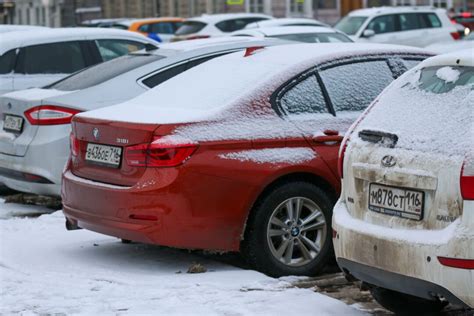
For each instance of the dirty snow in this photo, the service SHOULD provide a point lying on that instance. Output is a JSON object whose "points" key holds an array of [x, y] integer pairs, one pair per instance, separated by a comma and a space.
{"points": [[45, 269], [448, 74], [273, 155]]}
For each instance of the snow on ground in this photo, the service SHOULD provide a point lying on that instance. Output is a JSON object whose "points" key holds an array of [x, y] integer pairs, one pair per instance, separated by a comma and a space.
{"points": [[45, 269]]}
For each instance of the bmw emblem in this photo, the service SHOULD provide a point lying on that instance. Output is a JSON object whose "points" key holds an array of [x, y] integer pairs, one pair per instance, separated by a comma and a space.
{"points": [[388, 161], [95, 133]]}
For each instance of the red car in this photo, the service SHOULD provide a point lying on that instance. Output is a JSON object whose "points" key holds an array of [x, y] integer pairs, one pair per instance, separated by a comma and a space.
{"points": [[464, 18], [237, 154]]}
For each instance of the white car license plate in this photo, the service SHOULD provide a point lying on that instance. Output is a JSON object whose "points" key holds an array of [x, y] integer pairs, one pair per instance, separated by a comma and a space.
{"points": [[13, 123], [396, 201], [102, 154]]}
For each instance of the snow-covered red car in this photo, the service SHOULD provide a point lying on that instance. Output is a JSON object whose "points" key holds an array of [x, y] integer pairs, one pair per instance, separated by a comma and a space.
{"points": [[243, 158], [404, 223]]}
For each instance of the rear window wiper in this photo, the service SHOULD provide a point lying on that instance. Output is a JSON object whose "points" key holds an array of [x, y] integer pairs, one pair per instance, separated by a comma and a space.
{"points": [[386, 139]]}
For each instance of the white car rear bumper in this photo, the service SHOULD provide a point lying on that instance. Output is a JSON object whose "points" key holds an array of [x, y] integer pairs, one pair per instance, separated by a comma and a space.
{"points": [[383, 255]]}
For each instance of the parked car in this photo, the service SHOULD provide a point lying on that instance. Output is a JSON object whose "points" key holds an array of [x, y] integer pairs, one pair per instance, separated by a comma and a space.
{"points": [[243, 160], [4, 28], [306, 34], [464, 18], [33, 156], [105, 23], [447, 47], [159, 29], [207, 26], [404, 224], [37, 58], [414, 26], [285, 22]]}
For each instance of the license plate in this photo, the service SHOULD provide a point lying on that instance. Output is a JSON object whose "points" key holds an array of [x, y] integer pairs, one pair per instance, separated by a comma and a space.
{"points": [[395, 201], [13, 123], [105, 155]]}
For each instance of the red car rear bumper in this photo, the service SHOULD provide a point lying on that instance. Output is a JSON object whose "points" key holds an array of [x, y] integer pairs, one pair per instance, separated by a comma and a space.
{"points": [[171, 212]]}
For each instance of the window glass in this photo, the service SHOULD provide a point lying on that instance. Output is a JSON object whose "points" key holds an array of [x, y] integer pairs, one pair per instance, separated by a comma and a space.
{"points": [[162, 76], [236, 24], [350, 24], [162, 28], [53, 58], [306, 97], [382, 24], [102, 72], [144, 28], [409, 21], [315, 37], [7, 62], [190, 27], [445, 78], [112, 48], [352, 87], [434, 20], [410, 63]]}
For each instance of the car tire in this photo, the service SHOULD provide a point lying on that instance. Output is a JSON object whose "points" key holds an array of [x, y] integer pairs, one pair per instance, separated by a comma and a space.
{"points": [[263, 252], [404, 304]]}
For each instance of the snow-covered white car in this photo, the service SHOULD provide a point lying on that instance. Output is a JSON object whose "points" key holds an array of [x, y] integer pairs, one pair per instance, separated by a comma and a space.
{"points": [[285, 22], [40, 57], [306, 34], [34, 123], [447, 47], [413, 26], [212, 25], [404, 223]]}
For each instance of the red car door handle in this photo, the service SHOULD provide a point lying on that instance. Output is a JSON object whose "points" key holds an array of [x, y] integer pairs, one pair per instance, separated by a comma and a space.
{"points": [[328, 139]]}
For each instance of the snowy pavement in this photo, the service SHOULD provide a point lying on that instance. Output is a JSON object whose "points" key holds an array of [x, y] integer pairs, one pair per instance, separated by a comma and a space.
{"points": [[45, 269]]}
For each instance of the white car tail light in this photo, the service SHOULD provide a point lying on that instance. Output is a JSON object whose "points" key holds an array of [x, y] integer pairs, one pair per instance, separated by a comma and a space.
{"points": [[50, 115]]}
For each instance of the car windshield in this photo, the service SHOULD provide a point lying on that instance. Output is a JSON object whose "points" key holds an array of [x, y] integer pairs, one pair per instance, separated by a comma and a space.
{"points": [[350, 24], [315, 37], [102, 72], [190, 27], [444, 79]]}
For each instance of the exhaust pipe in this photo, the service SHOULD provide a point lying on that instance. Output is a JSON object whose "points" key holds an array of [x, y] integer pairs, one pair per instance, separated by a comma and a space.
{"points": [[72, 225]]}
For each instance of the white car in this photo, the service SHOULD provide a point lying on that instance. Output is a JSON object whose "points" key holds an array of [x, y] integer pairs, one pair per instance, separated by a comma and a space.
{"points": [[34, 124], [37, 58], [404, 223], [306, 34], [207, 26], [285, 22], [414, 26], [447, 47]]}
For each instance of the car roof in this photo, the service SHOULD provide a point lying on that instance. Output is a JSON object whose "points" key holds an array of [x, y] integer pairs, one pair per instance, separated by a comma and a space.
{"points": [[284, 30], [283, 22], [161, 19], [201, 43], [16, 39], [215, 18], [459, 58], [215, 92], [391, 10]]}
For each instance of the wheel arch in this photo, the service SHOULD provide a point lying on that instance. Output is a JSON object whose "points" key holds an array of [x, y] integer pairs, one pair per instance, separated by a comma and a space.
{"points": [[284, 179]]}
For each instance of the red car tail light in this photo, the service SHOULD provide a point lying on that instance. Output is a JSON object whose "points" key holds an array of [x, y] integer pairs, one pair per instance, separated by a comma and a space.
{"points": [[159, 154], [467, 184], [74, 144], [455, 35], [457, 263], [50, 115]]}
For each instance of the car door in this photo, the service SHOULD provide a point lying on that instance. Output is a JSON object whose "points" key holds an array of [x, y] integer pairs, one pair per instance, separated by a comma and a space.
{"points": [[412, 32], [7, 63], [385, 29], [40, 65]]}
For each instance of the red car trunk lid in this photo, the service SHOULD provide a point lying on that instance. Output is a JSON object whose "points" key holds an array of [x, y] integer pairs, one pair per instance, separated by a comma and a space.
{"points": [[117, 134]]}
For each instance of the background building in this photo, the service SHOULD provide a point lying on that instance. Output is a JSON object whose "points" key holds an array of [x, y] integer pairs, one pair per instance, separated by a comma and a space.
{"points": [[71, 12]]}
